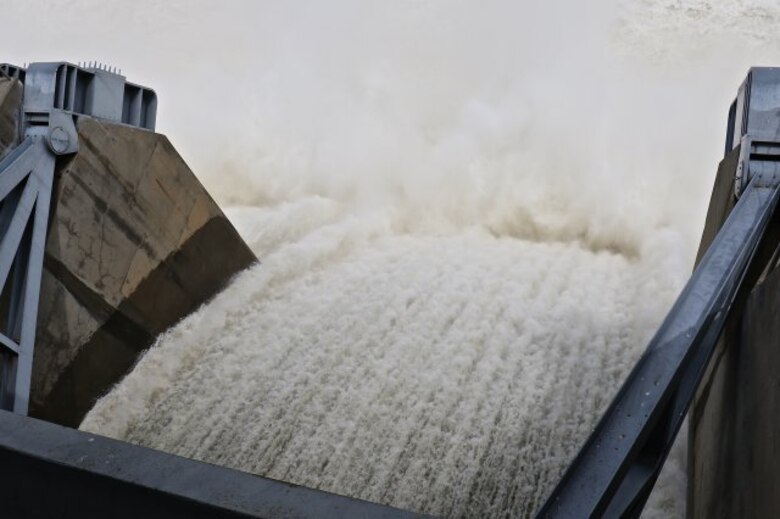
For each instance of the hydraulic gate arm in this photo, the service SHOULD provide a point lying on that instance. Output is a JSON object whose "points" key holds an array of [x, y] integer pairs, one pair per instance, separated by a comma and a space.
{"points": [[614, 472], [26, 178]]}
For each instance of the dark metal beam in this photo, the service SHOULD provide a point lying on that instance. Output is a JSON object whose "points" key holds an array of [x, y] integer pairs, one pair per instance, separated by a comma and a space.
{"points": [[615, 471], [52, 471], [10, 345]]}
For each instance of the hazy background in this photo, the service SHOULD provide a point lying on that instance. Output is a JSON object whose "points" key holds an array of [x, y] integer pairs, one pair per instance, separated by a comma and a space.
{"points": [[258, 94]]}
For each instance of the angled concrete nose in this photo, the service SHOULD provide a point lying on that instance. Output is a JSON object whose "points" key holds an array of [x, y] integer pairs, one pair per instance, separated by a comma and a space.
{"points": [[134, 244]]}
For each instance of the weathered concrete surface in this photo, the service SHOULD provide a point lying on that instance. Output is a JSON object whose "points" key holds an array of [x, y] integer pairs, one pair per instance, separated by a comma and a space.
{"points": [[733, 454], [135, 244], [756, 469], [10, 106]]}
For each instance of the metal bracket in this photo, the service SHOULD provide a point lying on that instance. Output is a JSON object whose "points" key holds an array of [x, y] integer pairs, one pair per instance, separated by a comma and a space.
{"points": [[754, 125], [95, 91]]}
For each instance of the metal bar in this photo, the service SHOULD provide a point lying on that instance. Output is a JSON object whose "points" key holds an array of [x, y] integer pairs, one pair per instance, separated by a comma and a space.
{"points": [[85, 475], [73, 77], [15, 153], [16, 166], [9, 344], [43, 175], [18, 172], [16, 286], [14, 179], [13, 236], [613, 473], [62, 82]]}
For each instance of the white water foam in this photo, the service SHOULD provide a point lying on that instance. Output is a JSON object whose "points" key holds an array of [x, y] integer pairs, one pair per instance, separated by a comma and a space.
{"points": [[470, 216]]}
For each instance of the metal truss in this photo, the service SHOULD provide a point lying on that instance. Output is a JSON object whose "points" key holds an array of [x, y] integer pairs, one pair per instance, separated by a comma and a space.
{"points": [[26, 177]]}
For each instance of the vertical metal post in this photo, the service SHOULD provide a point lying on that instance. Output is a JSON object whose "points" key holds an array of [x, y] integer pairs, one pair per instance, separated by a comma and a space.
{"points": [[43, 174]]}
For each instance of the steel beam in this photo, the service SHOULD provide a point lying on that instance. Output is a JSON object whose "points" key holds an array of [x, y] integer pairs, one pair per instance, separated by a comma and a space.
{"points": [[614, 472], [52, 471]]}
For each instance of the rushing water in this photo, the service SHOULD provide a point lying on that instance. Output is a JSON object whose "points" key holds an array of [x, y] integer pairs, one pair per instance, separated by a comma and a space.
{"points": [[471, 216]]}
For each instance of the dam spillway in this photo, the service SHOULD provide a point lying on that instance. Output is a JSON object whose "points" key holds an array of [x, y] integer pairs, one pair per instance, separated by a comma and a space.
{"points": [[428, 355], [415, 371], [262, 228]]}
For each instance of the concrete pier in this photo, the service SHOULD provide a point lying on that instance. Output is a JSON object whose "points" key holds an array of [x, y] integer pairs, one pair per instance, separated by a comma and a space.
{"points": [[734, 454], [10, 110], [135, 244]]}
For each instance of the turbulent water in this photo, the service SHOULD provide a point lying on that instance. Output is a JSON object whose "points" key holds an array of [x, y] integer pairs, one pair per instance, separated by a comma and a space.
{"points": [[470, 216], [452, 374]]}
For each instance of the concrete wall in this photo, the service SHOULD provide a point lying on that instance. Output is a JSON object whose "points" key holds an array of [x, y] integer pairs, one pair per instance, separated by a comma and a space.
{"points": [[135, 244], [10, 109], [734, 455]]}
